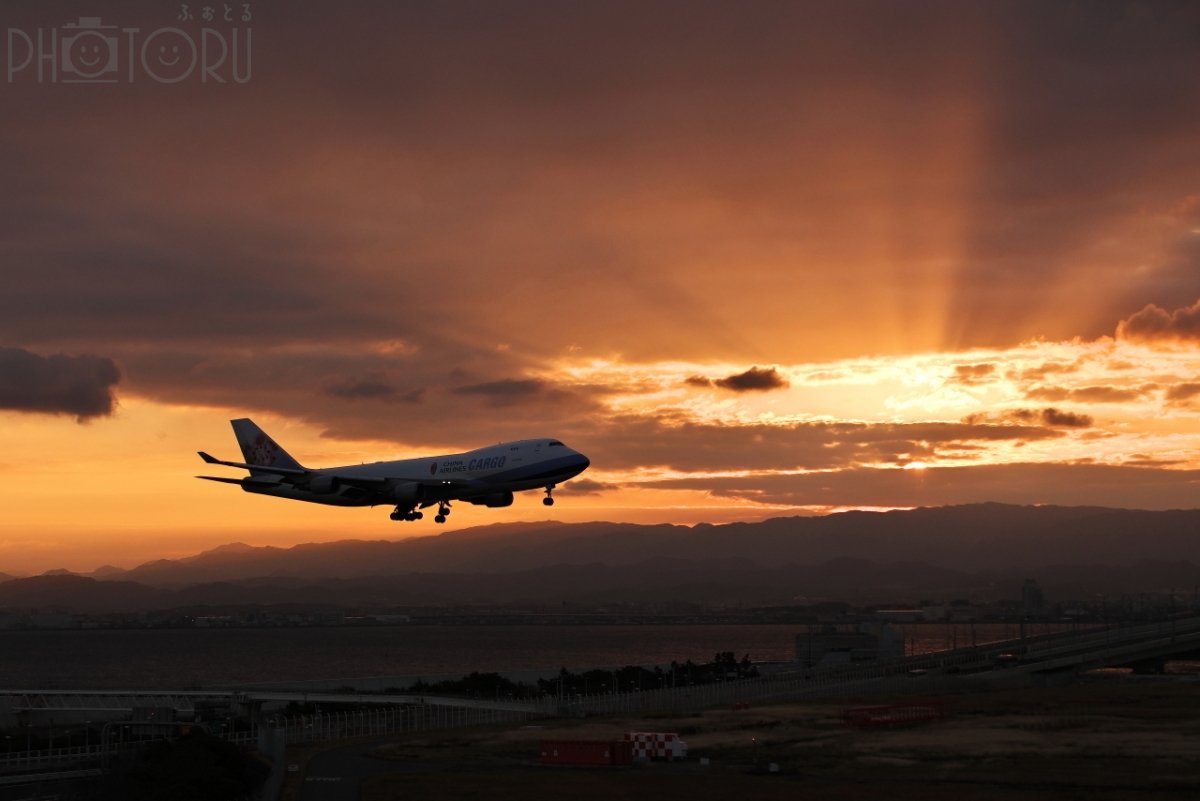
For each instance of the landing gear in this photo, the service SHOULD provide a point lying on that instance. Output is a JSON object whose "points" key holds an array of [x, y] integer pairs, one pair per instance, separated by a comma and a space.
{"points": [[405, 514], [548, 500], [443, 512]]}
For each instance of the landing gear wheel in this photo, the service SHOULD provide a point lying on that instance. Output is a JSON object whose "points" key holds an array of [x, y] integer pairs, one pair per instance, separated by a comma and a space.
{"points": [[439, 518], [418, 515], [400, 513], [547, 501]]}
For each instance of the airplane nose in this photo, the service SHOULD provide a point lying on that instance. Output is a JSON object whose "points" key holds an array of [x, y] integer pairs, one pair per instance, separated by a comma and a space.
{"points": [[584, 463]]}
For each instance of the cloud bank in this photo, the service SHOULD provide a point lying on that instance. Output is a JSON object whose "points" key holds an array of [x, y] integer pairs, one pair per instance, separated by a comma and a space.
{"points": [[82, 386]]}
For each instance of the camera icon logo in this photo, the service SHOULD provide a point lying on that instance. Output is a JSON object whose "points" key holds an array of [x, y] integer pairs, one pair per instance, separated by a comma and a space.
{"points": [[89, 51]]}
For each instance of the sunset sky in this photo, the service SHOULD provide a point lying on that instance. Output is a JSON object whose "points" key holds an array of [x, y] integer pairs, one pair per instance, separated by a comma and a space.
{"points": [[753, 259]]}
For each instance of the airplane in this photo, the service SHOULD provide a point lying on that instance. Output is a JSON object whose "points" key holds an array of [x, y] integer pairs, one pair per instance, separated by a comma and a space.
{"points": [[483, 477]]}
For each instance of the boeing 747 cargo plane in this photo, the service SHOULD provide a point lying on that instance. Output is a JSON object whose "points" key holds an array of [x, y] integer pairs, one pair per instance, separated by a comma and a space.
{"points": [[484, 477]]}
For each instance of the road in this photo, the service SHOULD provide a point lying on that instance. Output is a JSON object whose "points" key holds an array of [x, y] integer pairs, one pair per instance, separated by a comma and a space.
{"points": [[338, 775]]}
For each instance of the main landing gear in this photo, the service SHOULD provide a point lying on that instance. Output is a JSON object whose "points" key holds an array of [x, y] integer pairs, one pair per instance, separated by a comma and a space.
{"points": [[549, 499], [411, 513]]}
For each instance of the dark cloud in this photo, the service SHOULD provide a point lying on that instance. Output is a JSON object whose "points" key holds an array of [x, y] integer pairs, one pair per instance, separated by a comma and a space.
{"points": [[373, 387], [358, 390], [57, 384], [970, 374], [1182, 392], [1092, 394], [507, 390], [1040, 372], [585, 486], [1050, 417], [698, 381], [1154, 324], [756, 379], [1057, 417]]}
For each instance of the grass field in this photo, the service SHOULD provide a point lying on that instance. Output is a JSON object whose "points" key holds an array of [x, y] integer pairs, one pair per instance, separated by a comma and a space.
{"points": [[1118, 741]]}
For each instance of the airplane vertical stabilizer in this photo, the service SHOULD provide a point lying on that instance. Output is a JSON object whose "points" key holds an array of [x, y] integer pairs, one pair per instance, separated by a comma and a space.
{"points": [[260, 449]]}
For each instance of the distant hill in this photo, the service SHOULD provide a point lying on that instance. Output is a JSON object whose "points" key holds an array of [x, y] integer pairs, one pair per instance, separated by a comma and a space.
{"points": [[962, 538], [78, 594], [981, 552], [730, 582]]}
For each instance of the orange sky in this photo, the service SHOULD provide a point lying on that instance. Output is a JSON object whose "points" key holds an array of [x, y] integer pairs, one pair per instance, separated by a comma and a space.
{"points": [[782, 259]]}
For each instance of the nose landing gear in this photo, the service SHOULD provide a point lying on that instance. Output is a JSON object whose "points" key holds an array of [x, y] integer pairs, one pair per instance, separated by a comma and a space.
{"points": [[549, 499], [443, 512]]}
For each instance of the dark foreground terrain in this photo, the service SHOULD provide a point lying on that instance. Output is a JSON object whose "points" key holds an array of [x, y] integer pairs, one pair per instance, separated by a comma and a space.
{"points": [[1099, 741]]}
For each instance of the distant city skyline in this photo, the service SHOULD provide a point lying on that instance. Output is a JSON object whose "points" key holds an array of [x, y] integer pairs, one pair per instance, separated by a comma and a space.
{"points": [[754, 261]]}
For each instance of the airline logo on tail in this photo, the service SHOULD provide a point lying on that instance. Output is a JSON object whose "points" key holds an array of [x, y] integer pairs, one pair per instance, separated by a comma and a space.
{"points": [[263, 450]]}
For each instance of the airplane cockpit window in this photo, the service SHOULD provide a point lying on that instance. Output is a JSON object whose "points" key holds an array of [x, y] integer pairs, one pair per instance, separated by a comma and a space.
{"points": [[554, 442]]}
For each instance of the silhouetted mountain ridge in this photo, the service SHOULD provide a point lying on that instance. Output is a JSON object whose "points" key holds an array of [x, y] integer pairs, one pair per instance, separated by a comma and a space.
{"points": [[965, 538], [980, 551]]}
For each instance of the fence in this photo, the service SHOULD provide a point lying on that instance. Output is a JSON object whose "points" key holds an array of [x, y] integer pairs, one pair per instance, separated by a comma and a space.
{"points": [[339, 725]]}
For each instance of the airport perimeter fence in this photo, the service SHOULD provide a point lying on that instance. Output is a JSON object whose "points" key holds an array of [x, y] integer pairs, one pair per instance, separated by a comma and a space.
{"points": [[322, 727]]}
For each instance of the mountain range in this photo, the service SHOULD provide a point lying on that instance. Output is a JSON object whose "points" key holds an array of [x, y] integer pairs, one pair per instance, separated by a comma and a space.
{"points": [[980, 551]]}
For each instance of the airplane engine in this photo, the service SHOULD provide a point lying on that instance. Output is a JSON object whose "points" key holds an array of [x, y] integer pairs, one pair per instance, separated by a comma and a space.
{"points": [[323, 485], [493, 501], [408, 492]]}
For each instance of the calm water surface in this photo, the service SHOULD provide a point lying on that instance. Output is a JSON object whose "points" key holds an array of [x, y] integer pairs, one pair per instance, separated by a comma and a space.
{"points": [[181, 658]]}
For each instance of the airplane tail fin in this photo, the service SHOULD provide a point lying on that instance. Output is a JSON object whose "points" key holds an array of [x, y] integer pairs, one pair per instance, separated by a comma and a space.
{"points": [[260, 449]]}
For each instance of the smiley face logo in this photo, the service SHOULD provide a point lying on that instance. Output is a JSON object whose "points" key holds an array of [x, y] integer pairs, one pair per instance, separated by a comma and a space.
{"points": [[164, 59], [169, 55], [89, 55]]}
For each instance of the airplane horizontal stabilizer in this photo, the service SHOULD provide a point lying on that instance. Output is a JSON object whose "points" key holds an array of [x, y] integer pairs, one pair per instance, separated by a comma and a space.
{"points": [[287, 471], [222, 479]]}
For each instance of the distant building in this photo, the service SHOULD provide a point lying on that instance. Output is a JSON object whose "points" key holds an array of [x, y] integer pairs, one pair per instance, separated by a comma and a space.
{"points": [[956, 612], [1032, 600], [900, 615], [832, 647], [52, 620], [152, 721]]}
